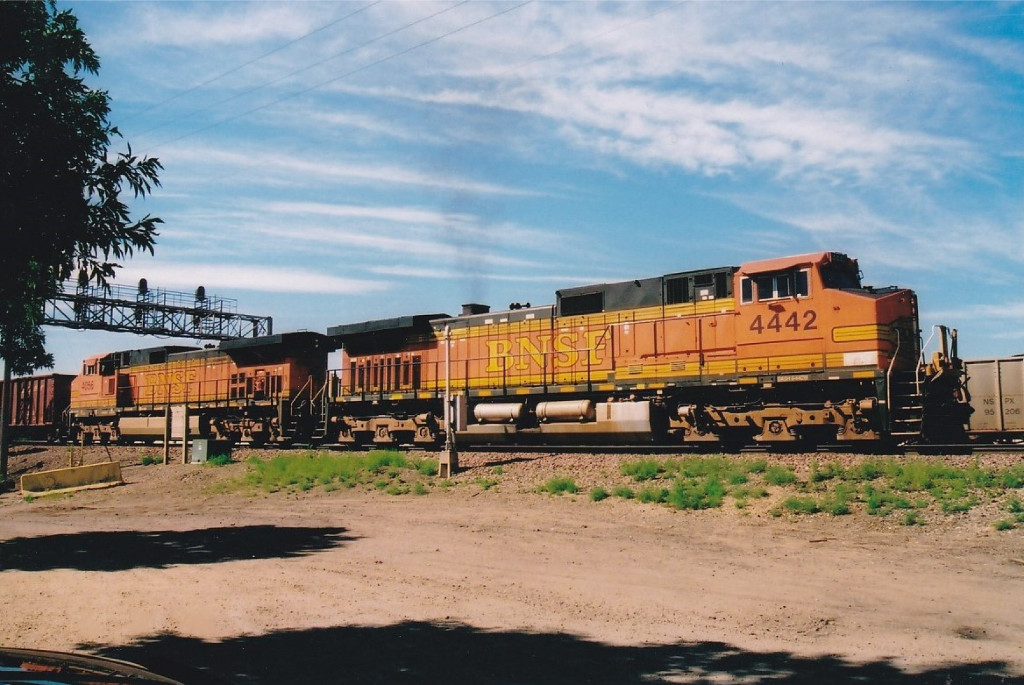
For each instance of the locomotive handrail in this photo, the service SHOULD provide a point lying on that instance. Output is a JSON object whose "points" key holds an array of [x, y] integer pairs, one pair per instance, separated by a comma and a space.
{"points": [[322, 391], [294, 400], [888, 375]]}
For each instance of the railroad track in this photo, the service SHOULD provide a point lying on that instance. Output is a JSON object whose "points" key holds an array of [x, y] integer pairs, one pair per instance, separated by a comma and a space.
{"points": [[922, 450]]}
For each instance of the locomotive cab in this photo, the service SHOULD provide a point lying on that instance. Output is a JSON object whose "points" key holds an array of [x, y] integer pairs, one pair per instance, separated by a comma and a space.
{"points": [[812, 313]]}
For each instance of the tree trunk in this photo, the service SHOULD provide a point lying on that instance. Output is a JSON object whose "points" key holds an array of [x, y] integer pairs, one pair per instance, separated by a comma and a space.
{"points": [[5, 415]]}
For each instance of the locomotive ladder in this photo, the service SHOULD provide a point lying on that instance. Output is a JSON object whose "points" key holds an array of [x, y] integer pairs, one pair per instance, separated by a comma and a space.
{"points": [[321, 409], [906, 405]]}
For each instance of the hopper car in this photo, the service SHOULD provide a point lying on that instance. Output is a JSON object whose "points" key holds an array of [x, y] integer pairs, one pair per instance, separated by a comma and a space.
{"points": [[793, 351], [996, 398]]}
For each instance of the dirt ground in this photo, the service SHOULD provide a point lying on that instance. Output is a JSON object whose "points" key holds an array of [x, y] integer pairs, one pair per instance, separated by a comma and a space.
{"points": [[501, 584]]}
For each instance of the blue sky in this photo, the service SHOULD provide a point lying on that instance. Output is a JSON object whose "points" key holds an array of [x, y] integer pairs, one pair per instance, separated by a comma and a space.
{"points": [[332, 162]]}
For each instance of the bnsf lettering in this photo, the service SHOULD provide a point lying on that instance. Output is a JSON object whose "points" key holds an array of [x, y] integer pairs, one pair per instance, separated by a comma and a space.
{"points": [[544, 351], [172, 377]]}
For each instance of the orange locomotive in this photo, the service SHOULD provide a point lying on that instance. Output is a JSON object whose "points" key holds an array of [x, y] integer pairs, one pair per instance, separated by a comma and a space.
{"points": [[778, 351], [253, 390]]}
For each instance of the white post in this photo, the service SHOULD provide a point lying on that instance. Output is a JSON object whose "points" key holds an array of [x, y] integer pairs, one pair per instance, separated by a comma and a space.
{"points": [[449, 462]]}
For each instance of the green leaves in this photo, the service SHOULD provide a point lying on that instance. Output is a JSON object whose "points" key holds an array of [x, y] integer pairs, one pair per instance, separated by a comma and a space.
{"points": [[62, 191]]}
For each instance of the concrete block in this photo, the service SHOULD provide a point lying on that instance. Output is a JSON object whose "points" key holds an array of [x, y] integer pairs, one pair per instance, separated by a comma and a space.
{"points": [[75, 478]]}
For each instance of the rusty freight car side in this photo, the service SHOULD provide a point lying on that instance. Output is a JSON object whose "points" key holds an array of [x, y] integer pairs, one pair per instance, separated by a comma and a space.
{"points": [[38, 406]]}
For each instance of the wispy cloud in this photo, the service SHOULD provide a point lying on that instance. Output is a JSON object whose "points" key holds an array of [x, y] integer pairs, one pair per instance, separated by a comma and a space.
{"points": [[266, 278], [256, 165]]}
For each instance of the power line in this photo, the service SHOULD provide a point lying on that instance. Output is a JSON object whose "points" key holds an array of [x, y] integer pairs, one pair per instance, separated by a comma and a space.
{"points": [[291, 74], [252, 61], [346, 74]]}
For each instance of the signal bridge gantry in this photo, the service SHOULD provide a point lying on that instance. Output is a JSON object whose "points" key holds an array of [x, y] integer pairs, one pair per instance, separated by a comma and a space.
{"points": [[152, 311]]}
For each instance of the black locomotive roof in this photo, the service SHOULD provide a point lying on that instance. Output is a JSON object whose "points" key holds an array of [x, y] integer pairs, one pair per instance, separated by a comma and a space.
{"points": [[487, 318], [382, 335], [399, 324], [643, 292], [149, 355], [304, 341]]}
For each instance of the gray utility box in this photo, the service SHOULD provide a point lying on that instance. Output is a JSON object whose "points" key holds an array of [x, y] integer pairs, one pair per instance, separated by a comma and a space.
{"points": [[203, 449]]}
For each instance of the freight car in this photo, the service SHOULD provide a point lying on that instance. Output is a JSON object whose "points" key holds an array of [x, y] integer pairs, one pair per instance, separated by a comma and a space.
{"points": [[782, 351], [38, 407], [252, 390], [996, 389]]}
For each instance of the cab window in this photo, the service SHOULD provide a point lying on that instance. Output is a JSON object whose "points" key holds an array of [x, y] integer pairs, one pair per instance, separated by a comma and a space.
{"points": [[775, 286]]}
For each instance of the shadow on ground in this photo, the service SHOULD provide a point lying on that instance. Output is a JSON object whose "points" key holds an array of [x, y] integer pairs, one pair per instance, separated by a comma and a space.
{"points": [[455, 654], [123, 550]]}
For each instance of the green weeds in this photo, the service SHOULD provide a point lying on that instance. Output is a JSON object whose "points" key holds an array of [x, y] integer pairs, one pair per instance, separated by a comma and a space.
{"points": [[624, 492], [779, 475], [389, 471], [875, 486], [559, 485]]}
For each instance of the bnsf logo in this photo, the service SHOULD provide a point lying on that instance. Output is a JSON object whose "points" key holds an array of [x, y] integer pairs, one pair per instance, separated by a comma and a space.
{"points": [[546, 351]]}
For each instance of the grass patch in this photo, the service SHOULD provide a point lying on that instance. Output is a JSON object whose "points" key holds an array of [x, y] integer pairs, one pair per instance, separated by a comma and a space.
{"points": [[427, 467], [598, 494], [559, 485], [385, 470], [486, 483], [779, 475], [912, 518], [648, 469], [829, 471], [878, 486], [219, 460], [802, 505], [697, 493], [744, 493], [652, 495], [149, 460], [624, 492], [880, 501]]}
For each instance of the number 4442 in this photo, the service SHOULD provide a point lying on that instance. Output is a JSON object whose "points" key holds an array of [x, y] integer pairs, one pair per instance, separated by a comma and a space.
{"points": [[794, 322]]}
